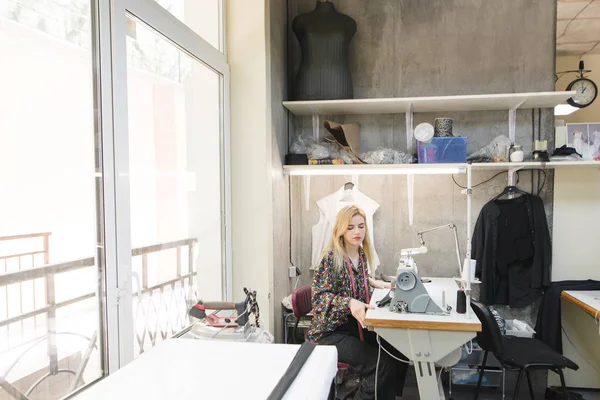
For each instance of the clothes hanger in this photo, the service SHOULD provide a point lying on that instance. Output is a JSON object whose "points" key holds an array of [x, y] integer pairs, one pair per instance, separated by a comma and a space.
{"points": [[348, 197], [509, 190]]}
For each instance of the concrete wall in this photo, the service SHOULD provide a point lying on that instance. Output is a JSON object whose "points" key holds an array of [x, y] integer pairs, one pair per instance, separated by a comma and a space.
{"points": [[251, 153], [280, 184], [592, 112], [417, 48]]}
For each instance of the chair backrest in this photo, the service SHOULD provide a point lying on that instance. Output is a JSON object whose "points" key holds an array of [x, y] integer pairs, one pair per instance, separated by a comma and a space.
{"points": [[302, 301], [490, 337]]}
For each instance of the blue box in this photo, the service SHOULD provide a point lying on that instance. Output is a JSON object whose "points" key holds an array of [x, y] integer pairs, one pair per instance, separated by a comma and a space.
{"points": [[443, 150]]}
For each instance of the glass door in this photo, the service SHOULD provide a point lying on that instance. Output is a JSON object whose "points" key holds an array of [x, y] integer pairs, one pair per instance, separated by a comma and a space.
{"points": [[115, 183], [51, 207], [170, 126]]}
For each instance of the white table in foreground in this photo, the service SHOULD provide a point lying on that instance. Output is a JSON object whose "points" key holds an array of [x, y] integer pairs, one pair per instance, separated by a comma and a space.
{"points": [[425, 339], [210, 369]]}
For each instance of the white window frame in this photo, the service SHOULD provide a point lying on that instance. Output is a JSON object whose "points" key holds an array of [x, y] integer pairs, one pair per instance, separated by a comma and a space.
{"points": [[113, 123]]}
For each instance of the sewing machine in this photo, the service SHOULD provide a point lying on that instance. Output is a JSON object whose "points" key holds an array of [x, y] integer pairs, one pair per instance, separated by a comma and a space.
{"points": [[411, 295]]}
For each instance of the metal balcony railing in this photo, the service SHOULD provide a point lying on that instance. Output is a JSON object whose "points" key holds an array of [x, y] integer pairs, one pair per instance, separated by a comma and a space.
{"points": [[160, 310]]}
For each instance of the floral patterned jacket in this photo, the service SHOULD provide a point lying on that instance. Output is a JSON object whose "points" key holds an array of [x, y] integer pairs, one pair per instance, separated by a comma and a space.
{"points": [[331, 295]]}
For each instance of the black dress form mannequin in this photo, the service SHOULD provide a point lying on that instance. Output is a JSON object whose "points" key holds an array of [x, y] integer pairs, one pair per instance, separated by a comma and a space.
{"points": [[324, 35]]}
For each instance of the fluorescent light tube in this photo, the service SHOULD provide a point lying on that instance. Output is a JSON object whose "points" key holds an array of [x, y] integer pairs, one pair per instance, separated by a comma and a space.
{"points": [[564, 109], [420, 169]]}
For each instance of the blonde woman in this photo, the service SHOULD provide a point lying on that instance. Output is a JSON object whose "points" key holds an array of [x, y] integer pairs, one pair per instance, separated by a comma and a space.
{"points": [[341, 291]]}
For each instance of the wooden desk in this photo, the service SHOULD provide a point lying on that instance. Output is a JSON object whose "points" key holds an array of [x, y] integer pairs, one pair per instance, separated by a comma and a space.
{"points": [[587, 300], [580, 339], [427, 340]]}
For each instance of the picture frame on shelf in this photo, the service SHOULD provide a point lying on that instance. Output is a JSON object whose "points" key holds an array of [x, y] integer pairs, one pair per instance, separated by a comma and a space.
{"points": [[594, 133], [583, 137]]}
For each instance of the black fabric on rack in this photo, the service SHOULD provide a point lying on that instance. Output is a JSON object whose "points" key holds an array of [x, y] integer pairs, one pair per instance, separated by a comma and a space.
{"points": [[514, 252], [548, 323], [565, 151], [512, 249]]}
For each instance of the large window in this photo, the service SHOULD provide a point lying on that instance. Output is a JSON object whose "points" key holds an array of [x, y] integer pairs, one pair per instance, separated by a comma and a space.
{"points": [[175, 174], [115, 183], [203, 16], [49, 272]]}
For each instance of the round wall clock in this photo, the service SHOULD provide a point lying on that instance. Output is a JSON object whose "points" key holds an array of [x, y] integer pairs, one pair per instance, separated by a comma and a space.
{"points": [[587, 91]]}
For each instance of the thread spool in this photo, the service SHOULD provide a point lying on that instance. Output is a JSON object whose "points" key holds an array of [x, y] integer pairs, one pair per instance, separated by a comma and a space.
{"points": [[461, 302], [443, 299], [443, 127]]}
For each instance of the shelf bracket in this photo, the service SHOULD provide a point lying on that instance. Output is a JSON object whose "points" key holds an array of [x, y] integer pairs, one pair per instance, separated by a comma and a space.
{"points": [[306, 188], [512, 122], [512, 179], [512, 176], [409, 129], [467, 263], [410, 183], [355, 181], [315, 121]]}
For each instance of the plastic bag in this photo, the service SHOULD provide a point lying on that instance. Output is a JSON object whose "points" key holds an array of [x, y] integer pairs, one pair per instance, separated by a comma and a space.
{"points": [[570, 157], [500, 321], [300, 146], [387, 156], [319, 151], [379, 156], [486, 154], [404, 158], [262, 336]]}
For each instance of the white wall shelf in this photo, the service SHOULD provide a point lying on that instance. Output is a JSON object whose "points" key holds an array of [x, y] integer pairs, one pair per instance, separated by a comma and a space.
{"points": [[477, 102], [536, 165], [374, 169], [423, 169]]}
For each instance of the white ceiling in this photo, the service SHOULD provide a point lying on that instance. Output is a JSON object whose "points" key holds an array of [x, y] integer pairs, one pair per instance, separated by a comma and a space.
{"points": [[578, 27]]}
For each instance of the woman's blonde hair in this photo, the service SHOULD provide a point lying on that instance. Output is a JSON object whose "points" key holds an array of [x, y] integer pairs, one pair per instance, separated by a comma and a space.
{"points": [[336, 243]]}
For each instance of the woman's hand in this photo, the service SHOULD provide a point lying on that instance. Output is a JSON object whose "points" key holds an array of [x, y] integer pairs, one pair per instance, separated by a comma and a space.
{"points": [[377, 284], [359, 310]]}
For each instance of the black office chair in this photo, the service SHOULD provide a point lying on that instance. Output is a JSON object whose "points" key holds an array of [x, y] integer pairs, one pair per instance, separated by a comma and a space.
{"points": [[517, 353]]}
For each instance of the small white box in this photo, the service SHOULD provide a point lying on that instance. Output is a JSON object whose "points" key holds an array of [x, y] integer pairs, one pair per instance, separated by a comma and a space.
{"points": [[514, 327]]}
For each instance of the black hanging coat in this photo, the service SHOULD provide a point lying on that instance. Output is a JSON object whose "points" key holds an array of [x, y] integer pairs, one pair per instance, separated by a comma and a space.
{"points": [[520, 283]]}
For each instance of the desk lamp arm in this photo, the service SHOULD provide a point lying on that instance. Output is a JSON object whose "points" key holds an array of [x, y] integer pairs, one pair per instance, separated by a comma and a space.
{"points": [[450, 226]]}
